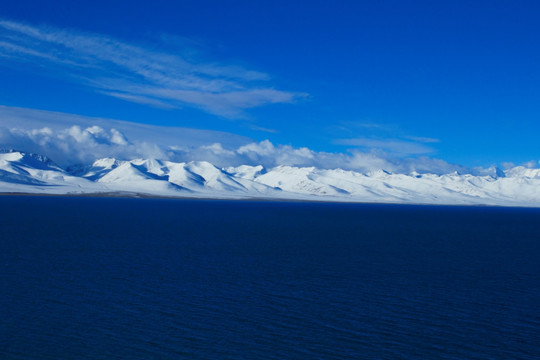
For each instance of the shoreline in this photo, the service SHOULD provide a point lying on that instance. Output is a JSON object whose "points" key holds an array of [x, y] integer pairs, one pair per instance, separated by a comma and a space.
{"points": [[133, 195]]}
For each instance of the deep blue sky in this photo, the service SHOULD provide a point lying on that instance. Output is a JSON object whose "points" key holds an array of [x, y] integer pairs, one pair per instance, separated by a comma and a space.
{"points": [[460, 79]]}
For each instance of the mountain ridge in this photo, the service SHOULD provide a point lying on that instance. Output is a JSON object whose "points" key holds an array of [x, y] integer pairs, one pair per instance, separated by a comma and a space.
{"points": [[33, 173]]}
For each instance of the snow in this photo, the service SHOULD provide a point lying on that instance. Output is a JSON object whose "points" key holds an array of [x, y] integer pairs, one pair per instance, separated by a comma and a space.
{"points": [[30, 173], [521, 171]]}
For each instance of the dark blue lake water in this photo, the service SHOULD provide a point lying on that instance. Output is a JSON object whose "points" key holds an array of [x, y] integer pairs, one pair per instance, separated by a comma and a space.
{"points": [[103, 278]]}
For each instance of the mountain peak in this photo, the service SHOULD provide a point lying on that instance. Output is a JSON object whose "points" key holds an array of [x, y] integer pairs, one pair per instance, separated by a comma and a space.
{"points": [[35, 160], [32, 173]]}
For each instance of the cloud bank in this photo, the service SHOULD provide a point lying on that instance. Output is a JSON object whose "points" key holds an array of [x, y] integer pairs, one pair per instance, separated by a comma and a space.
{"points": [[77, 145], [78, 140], [28, 119], [72, 140], [141, 74]]}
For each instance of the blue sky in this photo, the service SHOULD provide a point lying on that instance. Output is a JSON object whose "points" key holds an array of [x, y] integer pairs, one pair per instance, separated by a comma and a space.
{"points": [[458, 81]]}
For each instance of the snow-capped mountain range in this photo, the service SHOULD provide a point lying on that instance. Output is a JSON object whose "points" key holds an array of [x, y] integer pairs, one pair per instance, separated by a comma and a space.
{"points": [[30, 173]]}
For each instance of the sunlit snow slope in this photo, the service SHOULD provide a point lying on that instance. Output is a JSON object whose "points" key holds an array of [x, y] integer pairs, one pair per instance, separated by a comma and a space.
{"points": [[30, 173]]}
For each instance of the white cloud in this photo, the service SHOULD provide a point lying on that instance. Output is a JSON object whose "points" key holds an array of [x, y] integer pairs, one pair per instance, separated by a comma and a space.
{"points": [[270, 155], [76, 145], [141, 74], [264, 148], [24, 118], [531, 164], [423, 139], [72, 139], [393, 146]]}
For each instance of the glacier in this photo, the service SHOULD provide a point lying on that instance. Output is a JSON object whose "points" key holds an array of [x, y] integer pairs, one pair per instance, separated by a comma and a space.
{"points": [[26, 173]]}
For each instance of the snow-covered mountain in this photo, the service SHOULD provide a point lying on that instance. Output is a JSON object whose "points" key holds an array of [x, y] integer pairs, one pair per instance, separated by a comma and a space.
{"points": [[30, 173]]}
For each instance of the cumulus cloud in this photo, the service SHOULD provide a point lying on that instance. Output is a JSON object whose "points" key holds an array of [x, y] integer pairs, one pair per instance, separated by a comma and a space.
{"points": [[24, 118], [73, 139], [75, 145], [83, 145], [270, 155], [141, 74]]}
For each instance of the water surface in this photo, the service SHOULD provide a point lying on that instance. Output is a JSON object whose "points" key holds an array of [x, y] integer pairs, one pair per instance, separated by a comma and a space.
{"points": [[110, 278]]}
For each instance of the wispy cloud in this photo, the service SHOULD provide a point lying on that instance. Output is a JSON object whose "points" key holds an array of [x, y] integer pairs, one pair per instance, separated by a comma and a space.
{"points": [[392, 146], [142, 74], [388, 138], [263, 129], [423, 139]]}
